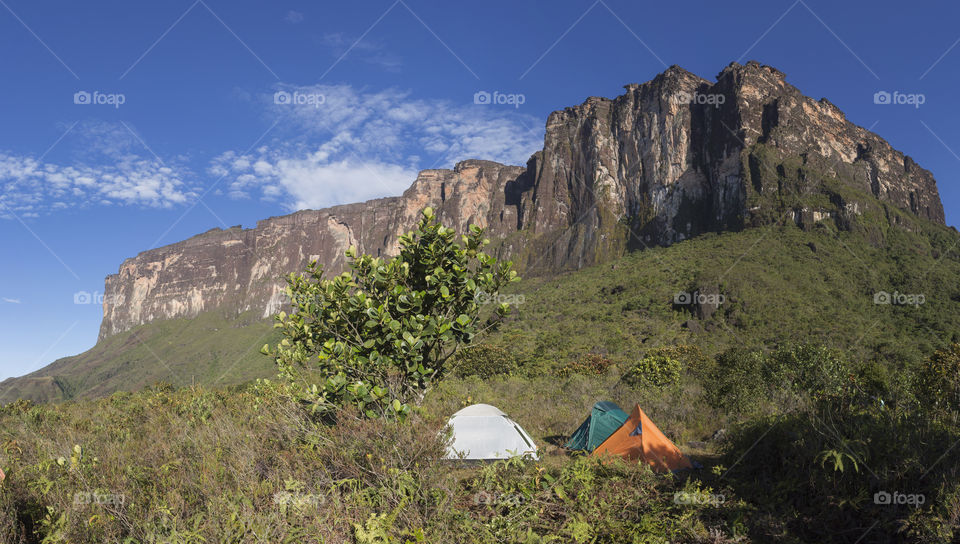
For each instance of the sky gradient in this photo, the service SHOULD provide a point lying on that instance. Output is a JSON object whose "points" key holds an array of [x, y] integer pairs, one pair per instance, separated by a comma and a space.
{"points": [[128, 126]]}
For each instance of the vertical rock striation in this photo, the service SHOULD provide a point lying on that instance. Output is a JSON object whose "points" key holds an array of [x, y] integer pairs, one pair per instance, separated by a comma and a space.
{"points": [[667, 160]]}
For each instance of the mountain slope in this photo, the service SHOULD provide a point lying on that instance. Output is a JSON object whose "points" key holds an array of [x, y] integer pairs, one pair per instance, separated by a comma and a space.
{"points": [[775, 284], [779, 283], [209, 349], [670, 159], [748, 158]]}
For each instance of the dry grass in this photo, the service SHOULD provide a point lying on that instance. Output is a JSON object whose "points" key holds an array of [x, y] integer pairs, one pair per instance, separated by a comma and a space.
{"points": [[248, 466]]}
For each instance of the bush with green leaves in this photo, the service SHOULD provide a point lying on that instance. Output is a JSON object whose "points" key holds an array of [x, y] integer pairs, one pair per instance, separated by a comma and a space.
{"points": [[820, 371], [484, 361], [656, 369], [380, 334], [591, 364], [937, 383], [743, 380], [737, 384]]}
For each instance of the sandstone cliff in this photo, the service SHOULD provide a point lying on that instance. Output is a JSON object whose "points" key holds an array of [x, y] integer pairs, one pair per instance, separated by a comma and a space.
{"points": [[669, 159]]}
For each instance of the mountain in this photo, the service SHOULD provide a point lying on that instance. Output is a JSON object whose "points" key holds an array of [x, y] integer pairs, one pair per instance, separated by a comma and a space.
{"points": [[669, 160]]}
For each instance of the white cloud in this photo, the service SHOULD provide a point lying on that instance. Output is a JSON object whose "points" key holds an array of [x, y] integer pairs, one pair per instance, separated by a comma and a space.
{"points": [[109, 171], [293, 17], [10, 300], [311, 180], [31, 187], [352, 145], [358, 145]]}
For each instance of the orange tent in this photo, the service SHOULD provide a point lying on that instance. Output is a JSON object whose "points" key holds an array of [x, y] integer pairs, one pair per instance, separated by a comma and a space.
{"points": [[638, 438]]}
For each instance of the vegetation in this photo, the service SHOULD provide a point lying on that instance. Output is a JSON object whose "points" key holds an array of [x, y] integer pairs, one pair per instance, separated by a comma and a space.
{"points": [[938, 384], [853, 452], [213, 349], [240, 465], [379, 336], [809, 463], [660, 368], [819, 412], [780, 284]]}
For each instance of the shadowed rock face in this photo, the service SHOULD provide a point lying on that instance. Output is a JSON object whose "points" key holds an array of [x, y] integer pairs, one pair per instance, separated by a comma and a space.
{"points": [[669, 159]]}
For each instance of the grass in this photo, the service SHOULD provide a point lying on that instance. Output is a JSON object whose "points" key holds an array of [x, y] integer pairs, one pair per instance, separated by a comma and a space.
{"points": [[210, 349], [780, 283], [244, 465], [795, 441]]}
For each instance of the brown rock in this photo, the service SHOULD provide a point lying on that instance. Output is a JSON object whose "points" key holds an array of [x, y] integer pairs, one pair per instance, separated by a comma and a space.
{"points": [[667, 160]]}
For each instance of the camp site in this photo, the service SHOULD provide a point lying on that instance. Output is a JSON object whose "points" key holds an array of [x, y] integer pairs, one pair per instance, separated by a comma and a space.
{"points": [[496, 272]]}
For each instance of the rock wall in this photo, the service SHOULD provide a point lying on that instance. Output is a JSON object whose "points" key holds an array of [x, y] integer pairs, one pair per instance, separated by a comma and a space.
{"points": [[669, 159]]}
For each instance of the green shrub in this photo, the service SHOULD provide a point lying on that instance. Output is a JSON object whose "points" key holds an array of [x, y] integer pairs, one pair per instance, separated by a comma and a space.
{"points": [[484, 361], [807, 368], [657, 369], [824, 464], [737, 383], [937, 383], [591, 364], [379, 335], [744, 380]]}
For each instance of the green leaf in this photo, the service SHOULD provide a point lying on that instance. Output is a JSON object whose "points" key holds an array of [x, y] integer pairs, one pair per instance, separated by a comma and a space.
{"points": [[378, 316], [560, 492]]}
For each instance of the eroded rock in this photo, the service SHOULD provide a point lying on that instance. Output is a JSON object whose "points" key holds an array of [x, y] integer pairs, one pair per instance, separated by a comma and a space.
{"points": [[667, 160]]}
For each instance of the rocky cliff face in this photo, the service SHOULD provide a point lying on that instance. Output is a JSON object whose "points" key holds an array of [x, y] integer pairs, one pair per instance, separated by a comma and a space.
{"points": [[669, 159], [240, 270]]}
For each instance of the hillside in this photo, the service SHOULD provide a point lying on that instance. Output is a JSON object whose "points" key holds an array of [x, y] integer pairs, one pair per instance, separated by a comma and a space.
{"points": [[209, 349], [651, 167], [796, 445], [780, 284], [767, 198]]}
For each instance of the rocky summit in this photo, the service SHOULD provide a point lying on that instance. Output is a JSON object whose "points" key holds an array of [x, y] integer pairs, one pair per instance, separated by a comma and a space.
{"points": [[669, 159]]}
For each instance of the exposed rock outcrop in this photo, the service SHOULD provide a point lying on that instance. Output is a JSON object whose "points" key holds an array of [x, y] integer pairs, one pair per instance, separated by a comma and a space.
{"points": [[239, 270], [669, 159]]}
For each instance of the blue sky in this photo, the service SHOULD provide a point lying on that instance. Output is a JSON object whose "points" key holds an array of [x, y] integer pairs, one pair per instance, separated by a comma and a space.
{"points": [[128, 125]]}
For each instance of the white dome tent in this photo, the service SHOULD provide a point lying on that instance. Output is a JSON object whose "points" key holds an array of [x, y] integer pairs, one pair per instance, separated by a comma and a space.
{"points": [[483, 432]]}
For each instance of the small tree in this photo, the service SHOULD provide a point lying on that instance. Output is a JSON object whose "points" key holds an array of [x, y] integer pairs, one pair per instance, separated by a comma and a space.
{"points": [[657, 369], [937, 383], [380, 334]]}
